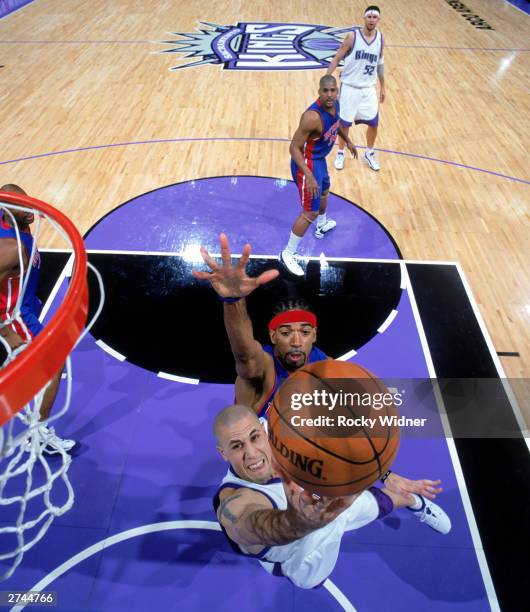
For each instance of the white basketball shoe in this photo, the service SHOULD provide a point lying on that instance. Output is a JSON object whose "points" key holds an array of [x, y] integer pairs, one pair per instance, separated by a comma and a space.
{"points": [[51, 442], [432, 515], [325, 228], [339, 160], [369, 158], [289, 260]]}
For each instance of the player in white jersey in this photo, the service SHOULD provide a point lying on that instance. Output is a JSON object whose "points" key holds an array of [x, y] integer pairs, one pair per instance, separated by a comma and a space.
{"points": [[290, 532], [362, 52]]}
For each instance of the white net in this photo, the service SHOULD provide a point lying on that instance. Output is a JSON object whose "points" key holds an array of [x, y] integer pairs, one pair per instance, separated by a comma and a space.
{"points": [[34, 482]]}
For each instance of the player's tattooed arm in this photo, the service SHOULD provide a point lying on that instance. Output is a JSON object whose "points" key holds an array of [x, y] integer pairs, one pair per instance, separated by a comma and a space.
{"points": [[224, 509], [250, 520]]}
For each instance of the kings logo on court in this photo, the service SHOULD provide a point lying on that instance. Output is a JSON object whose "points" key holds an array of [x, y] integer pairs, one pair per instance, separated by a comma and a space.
{"points": [[259, 46]]}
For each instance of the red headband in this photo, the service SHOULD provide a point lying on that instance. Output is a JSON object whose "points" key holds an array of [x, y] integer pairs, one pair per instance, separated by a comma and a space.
{"points": [[293, 316]]}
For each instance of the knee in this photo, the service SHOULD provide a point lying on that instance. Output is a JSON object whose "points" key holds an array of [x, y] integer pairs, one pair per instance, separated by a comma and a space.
{"points": [[310, 215]]}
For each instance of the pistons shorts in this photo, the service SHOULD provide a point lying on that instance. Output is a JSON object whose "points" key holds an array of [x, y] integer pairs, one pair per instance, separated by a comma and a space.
{"points": [[319, 169]]}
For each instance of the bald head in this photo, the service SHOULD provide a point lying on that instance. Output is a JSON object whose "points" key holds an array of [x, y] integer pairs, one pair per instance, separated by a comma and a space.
{"points": [[327, 80], [242, 441], [230, 416], [11, 188]]}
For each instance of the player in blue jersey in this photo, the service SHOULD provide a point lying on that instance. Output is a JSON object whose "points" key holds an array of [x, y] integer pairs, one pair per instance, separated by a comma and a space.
{"points": [[19, 327], [312, 141], [292, 330], [267, 517]]}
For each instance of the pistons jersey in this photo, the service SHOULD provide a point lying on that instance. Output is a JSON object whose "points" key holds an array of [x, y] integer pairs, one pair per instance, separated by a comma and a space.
{"points": [[360, 65], [280, 374], [319, 147], [11, 285]]}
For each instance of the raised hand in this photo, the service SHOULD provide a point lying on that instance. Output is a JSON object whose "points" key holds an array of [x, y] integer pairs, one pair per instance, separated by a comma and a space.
{"points": [[312, 510], [231, 280], [399, 484]]}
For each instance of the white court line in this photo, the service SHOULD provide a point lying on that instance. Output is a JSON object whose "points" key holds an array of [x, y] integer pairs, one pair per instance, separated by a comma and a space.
{"points": [[500, 370], [181, 379], [56, 287], [470, 516], [339, 596], [335, 592], [257, 256], [108, 349], [386, 324], [404, 276], [347, 355]]}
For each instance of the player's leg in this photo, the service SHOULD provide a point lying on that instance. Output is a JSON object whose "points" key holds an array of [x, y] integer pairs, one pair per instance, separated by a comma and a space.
{"points": [[52, 441], [324, 223], [49, 396], [339, 159], [369, 115], [310, 207], [349, 101]]}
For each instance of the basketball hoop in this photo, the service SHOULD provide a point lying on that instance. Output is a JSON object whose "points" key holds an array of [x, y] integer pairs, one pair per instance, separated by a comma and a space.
{"points": [[27, 478], [47, 353]]}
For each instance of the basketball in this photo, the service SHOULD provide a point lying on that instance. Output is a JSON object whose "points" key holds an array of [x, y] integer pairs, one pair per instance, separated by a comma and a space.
{"points": [[333, 428]]}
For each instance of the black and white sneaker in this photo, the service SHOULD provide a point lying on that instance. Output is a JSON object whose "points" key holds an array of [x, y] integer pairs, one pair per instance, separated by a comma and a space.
{"points": [[325, 228], [432, 515]]}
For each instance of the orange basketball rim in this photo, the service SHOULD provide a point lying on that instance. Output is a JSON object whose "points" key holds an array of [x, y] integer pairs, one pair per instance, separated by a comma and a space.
{"points": [[31, 370]]}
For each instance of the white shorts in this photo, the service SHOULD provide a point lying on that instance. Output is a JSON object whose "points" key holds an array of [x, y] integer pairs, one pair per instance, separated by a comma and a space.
{"points": [[309, 561], [359, 105]]}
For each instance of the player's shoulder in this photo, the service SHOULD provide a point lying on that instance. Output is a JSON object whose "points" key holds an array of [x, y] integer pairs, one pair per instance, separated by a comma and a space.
{"points": [[310, 118], [348, 41], [239, 498]]}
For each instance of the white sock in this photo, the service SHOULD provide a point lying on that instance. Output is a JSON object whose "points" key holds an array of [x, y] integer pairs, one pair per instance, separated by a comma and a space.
{"points": [[293, 243], [340, 152], [418, 502], [369, 151], [321, 220]]}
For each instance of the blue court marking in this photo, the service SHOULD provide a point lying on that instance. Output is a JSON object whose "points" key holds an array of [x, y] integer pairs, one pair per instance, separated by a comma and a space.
{"points": [[522, 5], [86, 42], [253, 139], [10, 8], [142, 42]]}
